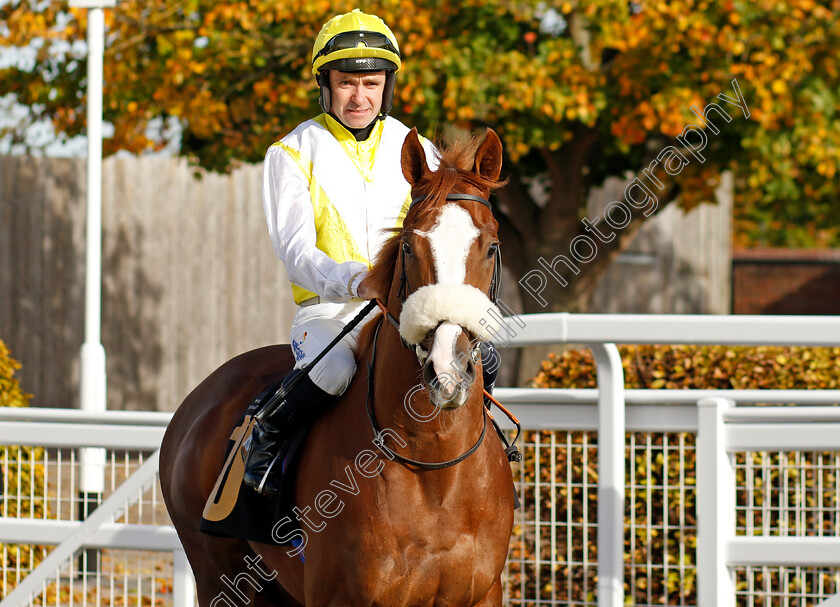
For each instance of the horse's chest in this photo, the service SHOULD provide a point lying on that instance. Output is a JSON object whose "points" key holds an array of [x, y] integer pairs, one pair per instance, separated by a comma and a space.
{"points": [[417, 552], [422, 575]]}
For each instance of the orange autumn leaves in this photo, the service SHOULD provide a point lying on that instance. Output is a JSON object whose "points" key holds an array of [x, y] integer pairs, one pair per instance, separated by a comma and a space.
{"points": [[235, 76]]}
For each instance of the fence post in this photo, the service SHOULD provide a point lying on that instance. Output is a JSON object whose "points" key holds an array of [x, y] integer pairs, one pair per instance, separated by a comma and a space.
{"points": [[183, 584], [611, 430], [715, 505]]}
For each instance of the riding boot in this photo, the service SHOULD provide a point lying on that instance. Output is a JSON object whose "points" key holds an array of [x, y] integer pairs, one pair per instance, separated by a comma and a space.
{"points": [[490, 362], [264, 450]]}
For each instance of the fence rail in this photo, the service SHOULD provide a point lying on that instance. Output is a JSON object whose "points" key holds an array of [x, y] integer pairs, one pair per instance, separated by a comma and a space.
{"points": [[570, 466], [114, 430]]}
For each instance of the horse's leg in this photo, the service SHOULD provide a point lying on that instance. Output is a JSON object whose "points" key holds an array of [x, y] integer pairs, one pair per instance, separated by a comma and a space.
{"points": [[228, 570], [214, 559], [494, 597]]}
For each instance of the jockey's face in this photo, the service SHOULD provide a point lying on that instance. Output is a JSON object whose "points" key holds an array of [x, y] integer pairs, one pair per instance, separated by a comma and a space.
{"points": [[356, 98]]}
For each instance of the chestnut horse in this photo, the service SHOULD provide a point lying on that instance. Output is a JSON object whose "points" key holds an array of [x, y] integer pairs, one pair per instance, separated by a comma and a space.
{"points": [[418, 511]]}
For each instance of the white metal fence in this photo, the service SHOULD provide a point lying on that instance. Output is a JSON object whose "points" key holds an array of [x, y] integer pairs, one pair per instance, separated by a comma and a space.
{"points": [[125, 551], [594, 457]]}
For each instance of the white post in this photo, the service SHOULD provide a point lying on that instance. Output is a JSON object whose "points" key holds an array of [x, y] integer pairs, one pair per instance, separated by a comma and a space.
{"points": [[183, 583], [93, 389], [93, 379], [611, 428], [715, 505]]}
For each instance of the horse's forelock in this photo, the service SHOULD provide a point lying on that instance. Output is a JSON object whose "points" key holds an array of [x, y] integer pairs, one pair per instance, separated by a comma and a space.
{"points": [[455, 172]]}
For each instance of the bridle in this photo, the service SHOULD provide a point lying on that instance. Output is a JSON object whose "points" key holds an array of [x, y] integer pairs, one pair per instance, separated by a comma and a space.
{"points": [[403, 293], [495, 282], [511, 451], [379, 436], [405, 288]]}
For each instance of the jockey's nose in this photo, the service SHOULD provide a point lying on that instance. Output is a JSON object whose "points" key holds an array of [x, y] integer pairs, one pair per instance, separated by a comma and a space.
{"points": [[358, 94]]}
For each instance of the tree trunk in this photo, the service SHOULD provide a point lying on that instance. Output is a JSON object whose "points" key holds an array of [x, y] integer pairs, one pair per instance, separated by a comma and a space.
{"points": [[574, 297], [556, 256]]}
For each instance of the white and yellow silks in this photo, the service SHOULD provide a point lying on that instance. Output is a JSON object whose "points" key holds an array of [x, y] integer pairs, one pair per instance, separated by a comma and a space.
{"points": [[329, 201]]}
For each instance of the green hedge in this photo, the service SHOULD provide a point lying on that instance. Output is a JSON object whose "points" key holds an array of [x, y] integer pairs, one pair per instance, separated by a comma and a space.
{"points": [[23, 472], [702, 367], [655, 466]]}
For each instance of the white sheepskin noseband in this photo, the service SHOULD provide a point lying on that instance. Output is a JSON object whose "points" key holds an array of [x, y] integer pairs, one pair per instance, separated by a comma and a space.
{"points": [[462, 305]]}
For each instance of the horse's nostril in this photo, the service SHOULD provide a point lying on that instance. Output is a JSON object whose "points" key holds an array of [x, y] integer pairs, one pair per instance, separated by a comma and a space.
{"points": [[429, 373]]}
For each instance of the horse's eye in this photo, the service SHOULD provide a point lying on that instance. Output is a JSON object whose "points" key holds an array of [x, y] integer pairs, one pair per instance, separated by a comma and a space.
{"points": [[491, 252], [406, 249]]}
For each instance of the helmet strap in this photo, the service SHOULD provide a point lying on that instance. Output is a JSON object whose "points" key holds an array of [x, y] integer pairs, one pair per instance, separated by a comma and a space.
{"points": [[388, 93], [323, 80]]}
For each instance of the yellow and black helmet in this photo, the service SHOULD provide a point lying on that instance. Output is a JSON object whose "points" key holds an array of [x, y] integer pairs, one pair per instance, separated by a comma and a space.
{"points": [[355, 42]]}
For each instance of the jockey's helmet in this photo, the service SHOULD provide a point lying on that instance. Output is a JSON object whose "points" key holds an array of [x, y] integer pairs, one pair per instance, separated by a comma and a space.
{"points": [[355, 42]]}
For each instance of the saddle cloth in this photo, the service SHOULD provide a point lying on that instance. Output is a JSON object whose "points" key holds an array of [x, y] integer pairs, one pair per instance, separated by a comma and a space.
{"points": [[237, 510]]}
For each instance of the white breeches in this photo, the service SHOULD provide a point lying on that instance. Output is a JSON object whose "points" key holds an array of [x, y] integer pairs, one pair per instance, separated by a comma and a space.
{"points": [[313, 328]]}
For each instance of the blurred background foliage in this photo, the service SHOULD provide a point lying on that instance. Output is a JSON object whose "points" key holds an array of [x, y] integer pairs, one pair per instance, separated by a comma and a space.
{"points": [[22, 473], [578, 90], [702, 368]]}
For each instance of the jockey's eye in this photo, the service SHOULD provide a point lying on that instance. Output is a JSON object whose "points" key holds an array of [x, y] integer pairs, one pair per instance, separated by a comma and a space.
{"points": [[491, 252], [406, 249]]}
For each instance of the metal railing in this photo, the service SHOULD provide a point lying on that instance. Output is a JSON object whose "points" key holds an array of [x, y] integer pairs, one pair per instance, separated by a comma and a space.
{"points": [[600, 333], [611, 411], [132, 439]]}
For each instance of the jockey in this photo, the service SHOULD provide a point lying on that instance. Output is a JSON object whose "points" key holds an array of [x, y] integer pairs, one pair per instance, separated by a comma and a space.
{"points": [[332, 190]]}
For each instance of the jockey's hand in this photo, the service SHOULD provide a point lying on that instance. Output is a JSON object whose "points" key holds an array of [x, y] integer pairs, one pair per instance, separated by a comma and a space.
{"points": [[366, 290]]}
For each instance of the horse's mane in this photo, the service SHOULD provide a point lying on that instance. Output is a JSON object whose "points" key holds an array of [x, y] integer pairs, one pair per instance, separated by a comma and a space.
{"points": [[456, 161]]}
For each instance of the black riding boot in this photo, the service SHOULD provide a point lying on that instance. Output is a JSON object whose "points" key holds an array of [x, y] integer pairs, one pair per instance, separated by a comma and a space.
{"points": [[264, 450], [490, 362]]}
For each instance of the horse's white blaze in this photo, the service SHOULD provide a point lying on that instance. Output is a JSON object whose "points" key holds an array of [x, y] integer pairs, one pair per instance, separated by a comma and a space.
{"points": [[449, 372], [450, 240]]}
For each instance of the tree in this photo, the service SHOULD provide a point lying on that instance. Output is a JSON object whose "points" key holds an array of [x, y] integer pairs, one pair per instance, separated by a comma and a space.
{"points": [[579, 91]]}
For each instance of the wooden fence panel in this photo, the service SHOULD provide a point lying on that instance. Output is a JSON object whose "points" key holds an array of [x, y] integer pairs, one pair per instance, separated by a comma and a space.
{"points": [[189, 276], [42, 271], [679, 263]]}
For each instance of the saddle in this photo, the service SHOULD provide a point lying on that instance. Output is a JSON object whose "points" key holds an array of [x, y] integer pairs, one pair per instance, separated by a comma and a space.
{"points": [[237, 511]]}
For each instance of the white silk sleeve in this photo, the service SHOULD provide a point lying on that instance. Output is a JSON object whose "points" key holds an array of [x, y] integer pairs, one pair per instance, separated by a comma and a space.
{"points": [[432, 153], [291, 225]]}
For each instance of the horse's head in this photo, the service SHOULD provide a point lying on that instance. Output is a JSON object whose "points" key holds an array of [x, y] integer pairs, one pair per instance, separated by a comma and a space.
{"points": [[447, 266]]}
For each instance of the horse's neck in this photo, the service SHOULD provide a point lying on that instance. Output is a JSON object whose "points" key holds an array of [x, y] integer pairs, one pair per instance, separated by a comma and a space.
{"points": [[402, 404]]}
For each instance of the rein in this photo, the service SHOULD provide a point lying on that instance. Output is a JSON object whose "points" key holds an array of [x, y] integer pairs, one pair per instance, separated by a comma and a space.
{"points": [[511, 451], [378, 431]]}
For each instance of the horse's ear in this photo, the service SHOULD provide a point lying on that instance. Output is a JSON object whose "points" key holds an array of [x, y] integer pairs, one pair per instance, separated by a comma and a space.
{"points": [[488, 157], [413, 158]]}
